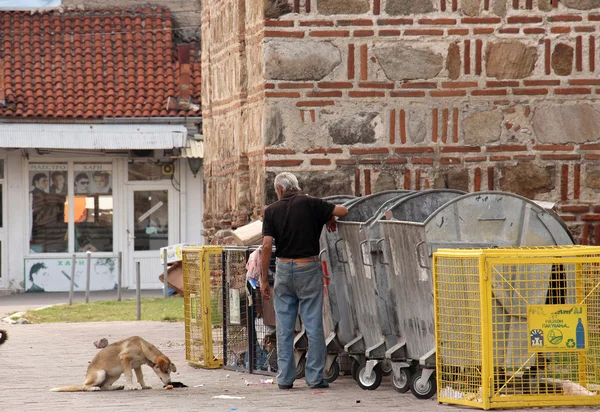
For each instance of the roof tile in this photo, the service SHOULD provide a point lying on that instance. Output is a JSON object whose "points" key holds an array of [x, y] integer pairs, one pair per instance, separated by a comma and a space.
{"points": [[80, 64]]}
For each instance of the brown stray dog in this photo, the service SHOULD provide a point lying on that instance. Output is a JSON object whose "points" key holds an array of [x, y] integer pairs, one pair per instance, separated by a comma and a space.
{"points": [[123, 357]]}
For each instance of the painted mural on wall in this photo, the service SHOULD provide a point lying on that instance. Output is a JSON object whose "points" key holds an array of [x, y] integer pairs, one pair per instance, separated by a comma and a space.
{"points": [[54, 274]]}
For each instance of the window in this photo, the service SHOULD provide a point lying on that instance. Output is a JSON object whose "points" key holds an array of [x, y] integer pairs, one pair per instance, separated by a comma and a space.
{"points": [[92, 208], [143, 170], [151, 213], [47, 197]]}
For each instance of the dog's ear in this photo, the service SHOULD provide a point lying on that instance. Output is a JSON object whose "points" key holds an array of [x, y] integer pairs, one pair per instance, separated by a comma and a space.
{"points": [[173, 367]]}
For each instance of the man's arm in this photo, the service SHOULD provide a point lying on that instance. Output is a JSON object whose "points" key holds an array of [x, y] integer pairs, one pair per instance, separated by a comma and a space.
{"points": [[265, 261], [338, 211]]}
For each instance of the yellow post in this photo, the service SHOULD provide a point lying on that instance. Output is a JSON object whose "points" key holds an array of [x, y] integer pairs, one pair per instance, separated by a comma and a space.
{"points": [[579, 296], [206, 308], [487, 364]]}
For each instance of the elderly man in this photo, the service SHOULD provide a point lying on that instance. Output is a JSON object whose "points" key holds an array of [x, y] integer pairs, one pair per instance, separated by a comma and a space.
{"points": [[295, 223]]}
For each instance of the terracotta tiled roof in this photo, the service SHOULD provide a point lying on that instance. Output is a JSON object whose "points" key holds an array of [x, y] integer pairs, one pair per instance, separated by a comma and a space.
{"points": [[92, 64]]}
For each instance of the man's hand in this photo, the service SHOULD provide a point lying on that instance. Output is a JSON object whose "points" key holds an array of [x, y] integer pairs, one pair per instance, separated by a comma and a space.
{"points": [[265, 258], [331, 225], [265, 290]]}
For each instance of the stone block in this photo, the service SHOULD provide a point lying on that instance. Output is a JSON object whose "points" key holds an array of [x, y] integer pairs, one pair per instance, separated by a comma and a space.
{"points": [[527, 179], [561, 124], [401, 62], [581, 4], [471, 7], [453, 62], [418, 124], [358, 128], [452, 179], [274, 9], [592, 177], [510, 60], [545, 5], [499, 7], [484, 127], [343, 6], [286, 60], [274, 127], [408, 7], [562, 59], [385, 181]]}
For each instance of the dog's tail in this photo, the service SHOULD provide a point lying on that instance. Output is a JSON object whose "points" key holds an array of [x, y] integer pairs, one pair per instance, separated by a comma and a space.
{"points": [[68, 389], [3, 336]]}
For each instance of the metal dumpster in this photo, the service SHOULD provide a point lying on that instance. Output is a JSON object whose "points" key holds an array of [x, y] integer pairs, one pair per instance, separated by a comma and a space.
{"points": [[331, 302], [480, 220], [367, 318], [414, 207]]}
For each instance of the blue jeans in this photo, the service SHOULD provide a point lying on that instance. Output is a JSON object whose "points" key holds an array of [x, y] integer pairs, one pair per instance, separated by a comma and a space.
{"points": [[299, 285]]}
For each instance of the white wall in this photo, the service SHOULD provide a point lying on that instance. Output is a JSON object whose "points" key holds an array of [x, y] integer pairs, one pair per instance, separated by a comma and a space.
{"points": [[16, 233], [192, 205]]}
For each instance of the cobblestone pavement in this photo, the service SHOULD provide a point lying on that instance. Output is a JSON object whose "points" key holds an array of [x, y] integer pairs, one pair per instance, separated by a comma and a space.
{"points": [[39, 357]]}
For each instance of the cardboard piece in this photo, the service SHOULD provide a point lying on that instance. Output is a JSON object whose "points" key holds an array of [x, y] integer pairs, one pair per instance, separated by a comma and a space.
{"points": [[250, 234], [175, 278], [268, 311]]}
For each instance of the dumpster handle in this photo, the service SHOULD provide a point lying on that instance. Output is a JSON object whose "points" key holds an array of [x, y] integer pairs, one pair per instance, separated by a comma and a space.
{"points": [[419, 256], [321, 261], [362, 253], [381, 258], [337, 251]]}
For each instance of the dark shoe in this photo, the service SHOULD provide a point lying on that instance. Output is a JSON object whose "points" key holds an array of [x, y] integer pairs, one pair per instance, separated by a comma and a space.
{"points": [[322, 385], [285, 386]]}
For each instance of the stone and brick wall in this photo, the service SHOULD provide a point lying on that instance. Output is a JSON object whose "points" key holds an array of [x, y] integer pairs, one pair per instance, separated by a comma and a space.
{"points": [[232, 111], [366, 95]]}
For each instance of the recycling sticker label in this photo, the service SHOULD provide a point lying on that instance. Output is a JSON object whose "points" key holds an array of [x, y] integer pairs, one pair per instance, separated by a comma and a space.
{"points": [[557, 328]]}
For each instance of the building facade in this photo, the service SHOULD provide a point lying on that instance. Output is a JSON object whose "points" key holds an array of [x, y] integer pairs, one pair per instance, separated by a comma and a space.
{"points": [[358, 96], [100, 129]]}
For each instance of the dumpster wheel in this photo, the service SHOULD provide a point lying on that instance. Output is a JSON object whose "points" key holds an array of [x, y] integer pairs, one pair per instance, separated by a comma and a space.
{"points": [[371, 382], [354, 368], [332, 374], [301, 368], [386, 367], [401, 381], [423, 390]]}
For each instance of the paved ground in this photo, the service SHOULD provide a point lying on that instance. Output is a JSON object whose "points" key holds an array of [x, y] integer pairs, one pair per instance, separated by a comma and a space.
{"points": [[39, 357]]}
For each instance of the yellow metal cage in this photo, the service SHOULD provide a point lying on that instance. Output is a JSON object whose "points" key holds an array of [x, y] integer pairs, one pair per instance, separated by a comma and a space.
{"points": [[203, 306], [518, 327]]}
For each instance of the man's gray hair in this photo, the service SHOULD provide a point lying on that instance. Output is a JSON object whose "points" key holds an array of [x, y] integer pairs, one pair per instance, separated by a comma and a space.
{"points": [[287, 181]]}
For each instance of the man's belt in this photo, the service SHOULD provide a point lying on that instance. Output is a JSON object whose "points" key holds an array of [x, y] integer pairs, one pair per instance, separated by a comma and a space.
{"points": [[299, 260]]}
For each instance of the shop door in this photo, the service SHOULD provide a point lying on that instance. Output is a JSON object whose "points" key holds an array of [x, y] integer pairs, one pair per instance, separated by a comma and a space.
{"points": [[153, 223]]}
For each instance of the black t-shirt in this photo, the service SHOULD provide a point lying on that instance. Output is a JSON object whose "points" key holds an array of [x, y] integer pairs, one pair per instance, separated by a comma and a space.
{"points": [[295, 222]]}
